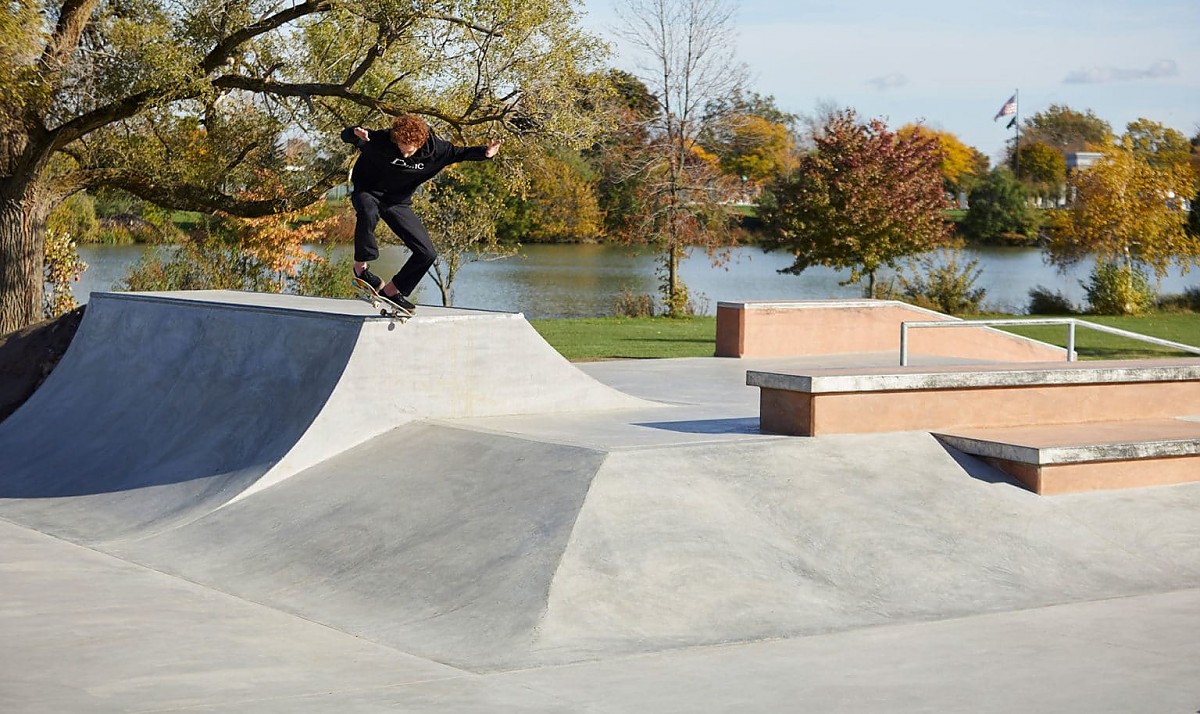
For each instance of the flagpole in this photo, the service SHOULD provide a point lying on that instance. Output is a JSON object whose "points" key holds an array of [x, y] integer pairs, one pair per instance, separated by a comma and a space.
{"points": [[1017, 127]]}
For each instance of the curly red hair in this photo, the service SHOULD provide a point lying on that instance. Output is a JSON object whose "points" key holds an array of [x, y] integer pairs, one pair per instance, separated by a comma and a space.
{"points": [[409, 129]]}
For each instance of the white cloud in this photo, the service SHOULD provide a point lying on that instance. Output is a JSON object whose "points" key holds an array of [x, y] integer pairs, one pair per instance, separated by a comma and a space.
{"points": [[1099, 75], [888, 81]]}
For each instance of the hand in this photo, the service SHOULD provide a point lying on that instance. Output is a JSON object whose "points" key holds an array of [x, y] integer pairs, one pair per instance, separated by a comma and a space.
{"points": [[493, 148], [362, 133]]}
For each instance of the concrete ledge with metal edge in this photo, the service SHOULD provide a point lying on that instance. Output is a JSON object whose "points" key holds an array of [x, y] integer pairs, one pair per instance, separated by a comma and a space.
{"points": [[835, 327], [1069, 458], [982, 396]]}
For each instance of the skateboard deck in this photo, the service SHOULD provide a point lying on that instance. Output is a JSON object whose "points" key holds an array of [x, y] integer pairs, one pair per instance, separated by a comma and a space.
{"points": [[363, 291]]}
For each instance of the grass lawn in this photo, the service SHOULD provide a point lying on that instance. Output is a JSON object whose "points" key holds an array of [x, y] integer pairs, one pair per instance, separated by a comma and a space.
{"points": [[657, 337], [630, 338], [1180, 327]]}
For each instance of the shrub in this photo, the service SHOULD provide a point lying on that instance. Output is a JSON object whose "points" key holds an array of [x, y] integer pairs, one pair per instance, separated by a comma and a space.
{"points": [[1192, 296], [1044, 302], [676, 304], [1114, 289], [631, 304], [322, 276], [206, 262], [108, 234], [939, 282], [1189, 301], [696, 306], [61, 266], [75, 217]]}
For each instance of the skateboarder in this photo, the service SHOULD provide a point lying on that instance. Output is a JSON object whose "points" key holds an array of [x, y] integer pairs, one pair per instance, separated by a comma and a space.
{"points": [[391, 164]]}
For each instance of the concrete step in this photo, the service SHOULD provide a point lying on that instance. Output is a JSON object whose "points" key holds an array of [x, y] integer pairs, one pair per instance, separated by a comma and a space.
{"points": [[1066, 458], [929, 398]]}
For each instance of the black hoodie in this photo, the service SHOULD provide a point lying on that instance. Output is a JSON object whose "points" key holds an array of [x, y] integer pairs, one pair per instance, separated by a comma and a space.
{"points": [[381, 168]]}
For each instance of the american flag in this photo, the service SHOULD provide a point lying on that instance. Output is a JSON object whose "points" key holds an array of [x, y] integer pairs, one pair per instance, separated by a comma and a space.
{"points": [[1010, 107]]}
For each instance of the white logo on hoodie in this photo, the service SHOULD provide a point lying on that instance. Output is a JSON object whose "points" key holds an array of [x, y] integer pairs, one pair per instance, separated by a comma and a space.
{"points": [[405, 165]]}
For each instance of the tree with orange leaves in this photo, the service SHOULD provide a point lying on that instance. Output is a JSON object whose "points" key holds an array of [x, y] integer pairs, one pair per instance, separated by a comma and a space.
{"points": [[963, 167]]}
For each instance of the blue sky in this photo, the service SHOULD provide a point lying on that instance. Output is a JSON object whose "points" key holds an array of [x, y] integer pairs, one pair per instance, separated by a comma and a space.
{"points": [[953, 64]]}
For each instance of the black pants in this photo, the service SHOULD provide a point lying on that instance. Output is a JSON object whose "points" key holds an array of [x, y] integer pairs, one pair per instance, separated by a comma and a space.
{"points": [[369, 207]]}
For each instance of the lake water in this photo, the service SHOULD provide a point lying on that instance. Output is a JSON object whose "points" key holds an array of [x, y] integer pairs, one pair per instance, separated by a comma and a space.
{"points": [[585, 280]]}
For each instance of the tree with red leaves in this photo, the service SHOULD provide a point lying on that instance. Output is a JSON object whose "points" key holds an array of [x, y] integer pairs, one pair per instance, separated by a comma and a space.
{"points": [[862, 199]]}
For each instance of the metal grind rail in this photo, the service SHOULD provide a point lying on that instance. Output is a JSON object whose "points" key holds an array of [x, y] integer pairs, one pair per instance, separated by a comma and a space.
{"points": [[1070, 322]]}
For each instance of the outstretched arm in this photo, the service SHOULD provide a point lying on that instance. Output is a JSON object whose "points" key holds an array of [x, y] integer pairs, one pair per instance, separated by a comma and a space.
{"points": [[483, 152], [356, 135]]}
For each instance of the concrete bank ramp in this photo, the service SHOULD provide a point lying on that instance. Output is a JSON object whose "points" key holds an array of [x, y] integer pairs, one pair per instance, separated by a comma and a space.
{"points": [[493, 552], [168, 405]]}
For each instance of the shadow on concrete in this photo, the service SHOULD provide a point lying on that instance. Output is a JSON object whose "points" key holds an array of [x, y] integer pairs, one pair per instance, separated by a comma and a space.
{"points": [[157, 414], [979, 469], [746, 425]]}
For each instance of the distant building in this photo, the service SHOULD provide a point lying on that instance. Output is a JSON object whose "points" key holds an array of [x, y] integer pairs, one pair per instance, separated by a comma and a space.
{"points": [[1080, 160]]}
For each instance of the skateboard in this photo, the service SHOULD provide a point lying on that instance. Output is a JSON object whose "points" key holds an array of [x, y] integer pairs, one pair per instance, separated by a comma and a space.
{"points": [[363, 291]]}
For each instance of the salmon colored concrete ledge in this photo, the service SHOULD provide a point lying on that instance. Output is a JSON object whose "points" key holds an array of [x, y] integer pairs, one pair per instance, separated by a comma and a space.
{"points": [[1057, 479], [1057, 458], [1014, 398], [1054, 428], [820, 327]]}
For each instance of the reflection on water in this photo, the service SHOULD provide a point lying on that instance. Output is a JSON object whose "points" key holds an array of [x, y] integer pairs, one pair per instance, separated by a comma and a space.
{"points": [[586, 280]]}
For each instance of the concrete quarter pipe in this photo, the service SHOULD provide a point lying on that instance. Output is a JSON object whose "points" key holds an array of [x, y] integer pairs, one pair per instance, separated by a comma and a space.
{"points": [[169, 405]]}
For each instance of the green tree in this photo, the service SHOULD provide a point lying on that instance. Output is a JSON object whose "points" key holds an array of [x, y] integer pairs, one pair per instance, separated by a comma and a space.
{"points": [[185, 104], [741, 102], [1066, 130], [864, 198], [1118, 289], [1043, 169], [626, 111], [76, 216], [1000, 211], [459, 208]]}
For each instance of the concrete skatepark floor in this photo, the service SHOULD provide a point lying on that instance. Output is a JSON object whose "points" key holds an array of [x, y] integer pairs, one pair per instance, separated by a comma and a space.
{"points": [[657, 554]]}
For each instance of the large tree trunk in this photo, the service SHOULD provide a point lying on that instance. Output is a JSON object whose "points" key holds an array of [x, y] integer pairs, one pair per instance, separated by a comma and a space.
{"points": [[22, 235]]}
